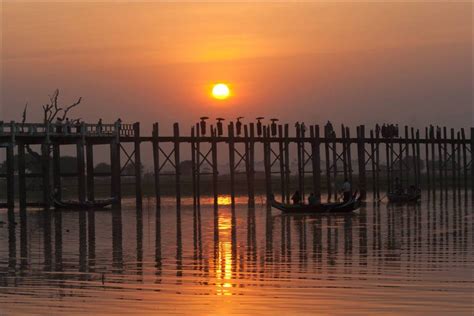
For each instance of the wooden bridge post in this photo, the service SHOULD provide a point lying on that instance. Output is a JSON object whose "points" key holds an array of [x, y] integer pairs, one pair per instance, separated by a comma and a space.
{"points": [[22, 175], [10, 157], [459, 162], [247, 158], [445, 159], [418, 159], [115, 164], [316, 160], [334, 161], [267, 163], [215, 171], [281, 153], [361, 158], [388, 157], [400, 159], [372, 156], [230, 132], [156, 163], [464, 161], [344, 152], [286, 148], [453, 163], [407, 155], [138, 166], [414, 157], [90, 171], [198, 165], [81, 171], [10, 176], [193, 165], [377, 160], [472, 163], [251, 168], [300, 153], [303, 160], [349, 154], [440, 162], [427, 161], [177, 166], [328, 163], [45, 163], [433, 160]]}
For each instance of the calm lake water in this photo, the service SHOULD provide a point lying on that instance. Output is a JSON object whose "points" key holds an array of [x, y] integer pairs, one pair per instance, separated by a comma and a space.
{"points": [[384, 259]]}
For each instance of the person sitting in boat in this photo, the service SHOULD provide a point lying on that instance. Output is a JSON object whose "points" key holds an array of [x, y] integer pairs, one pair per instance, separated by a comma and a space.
{"points": [[346, 190], [296, 198], [56, 193], [398, 186], [412, 191], [312, 199]]}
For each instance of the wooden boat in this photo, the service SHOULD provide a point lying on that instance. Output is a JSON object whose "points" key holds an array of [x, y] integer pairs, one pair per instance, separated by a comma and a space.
{"points": [[403, 197], [77, 205], [323, 208]]}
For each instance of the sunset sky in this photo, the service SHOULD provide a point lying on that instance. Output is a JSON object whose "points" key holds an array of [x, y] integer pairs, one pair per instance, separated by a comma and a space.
{"points": [[347, 62]]}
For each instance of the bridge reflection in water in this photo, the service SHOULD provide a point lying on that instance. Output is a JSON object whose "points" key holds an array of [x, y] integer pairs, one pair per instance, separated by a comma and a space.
{"points": [[411, 258]]}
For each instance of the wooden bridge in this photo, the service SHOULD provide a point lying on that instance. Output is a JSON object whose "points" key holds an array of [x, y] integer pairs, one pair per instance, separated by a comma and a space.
{"points": [[447, 154]]}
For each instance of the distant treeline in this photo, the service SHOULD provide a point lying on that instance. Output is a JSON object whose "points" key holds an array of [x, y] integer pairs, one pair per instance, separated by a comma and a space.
{"points": [[68, 164]]}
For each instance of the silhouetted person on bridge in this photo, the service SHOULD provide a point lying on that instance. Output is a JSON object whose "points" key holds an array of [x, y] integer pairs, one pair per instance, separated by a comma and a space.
{"points": [[68, 126], [119, 123], [99, 126], [329, 129], [78, 127], [59, 125]]}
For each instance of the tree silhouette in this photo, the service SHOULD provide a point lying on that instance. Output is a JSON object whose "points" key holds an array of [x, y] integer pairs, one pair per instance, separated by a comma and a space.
{"points": [[51, 112]]}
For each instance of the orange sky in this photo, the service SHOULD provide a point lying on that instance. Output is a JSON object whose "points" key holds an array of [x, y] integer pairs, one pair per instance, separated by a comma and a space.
{"points": [[408, 62]]}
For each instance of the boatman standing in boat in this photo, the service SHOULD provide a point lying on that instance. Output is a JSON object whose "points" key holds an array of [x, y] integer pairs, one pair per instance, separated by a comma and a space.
{"points": [[296, 197], [346, 190]]}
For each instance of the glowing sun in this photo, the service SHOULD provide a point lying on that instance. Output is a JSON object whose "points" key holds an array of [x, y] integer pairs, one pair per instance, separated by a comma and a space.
{"points": [[220, 91]]}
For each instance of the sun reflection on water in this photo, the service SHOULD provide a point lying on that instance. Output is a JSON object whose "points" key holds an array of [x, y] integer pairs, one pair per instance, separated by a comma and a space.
{"points": [[224, 200], [224, 269], [224, 262]]}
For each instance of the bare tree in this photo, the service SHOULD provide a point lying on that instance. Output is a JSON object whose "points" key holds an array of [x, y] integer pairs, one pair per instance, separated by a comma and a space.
{"points": [[51, 112]]}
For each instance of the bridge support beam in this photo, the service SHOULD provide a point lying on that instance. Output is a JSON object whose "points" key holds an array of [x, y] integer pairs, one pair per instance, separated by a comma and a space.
{"points": [[138, 166], [361, 158], [90, 171]]}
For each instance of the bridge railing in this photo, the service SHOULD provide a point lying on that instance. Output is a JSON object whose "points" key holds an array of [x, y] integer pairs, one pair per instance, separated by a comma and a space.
{"points": [[100, 129], [35, 129], [126, 130]]}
